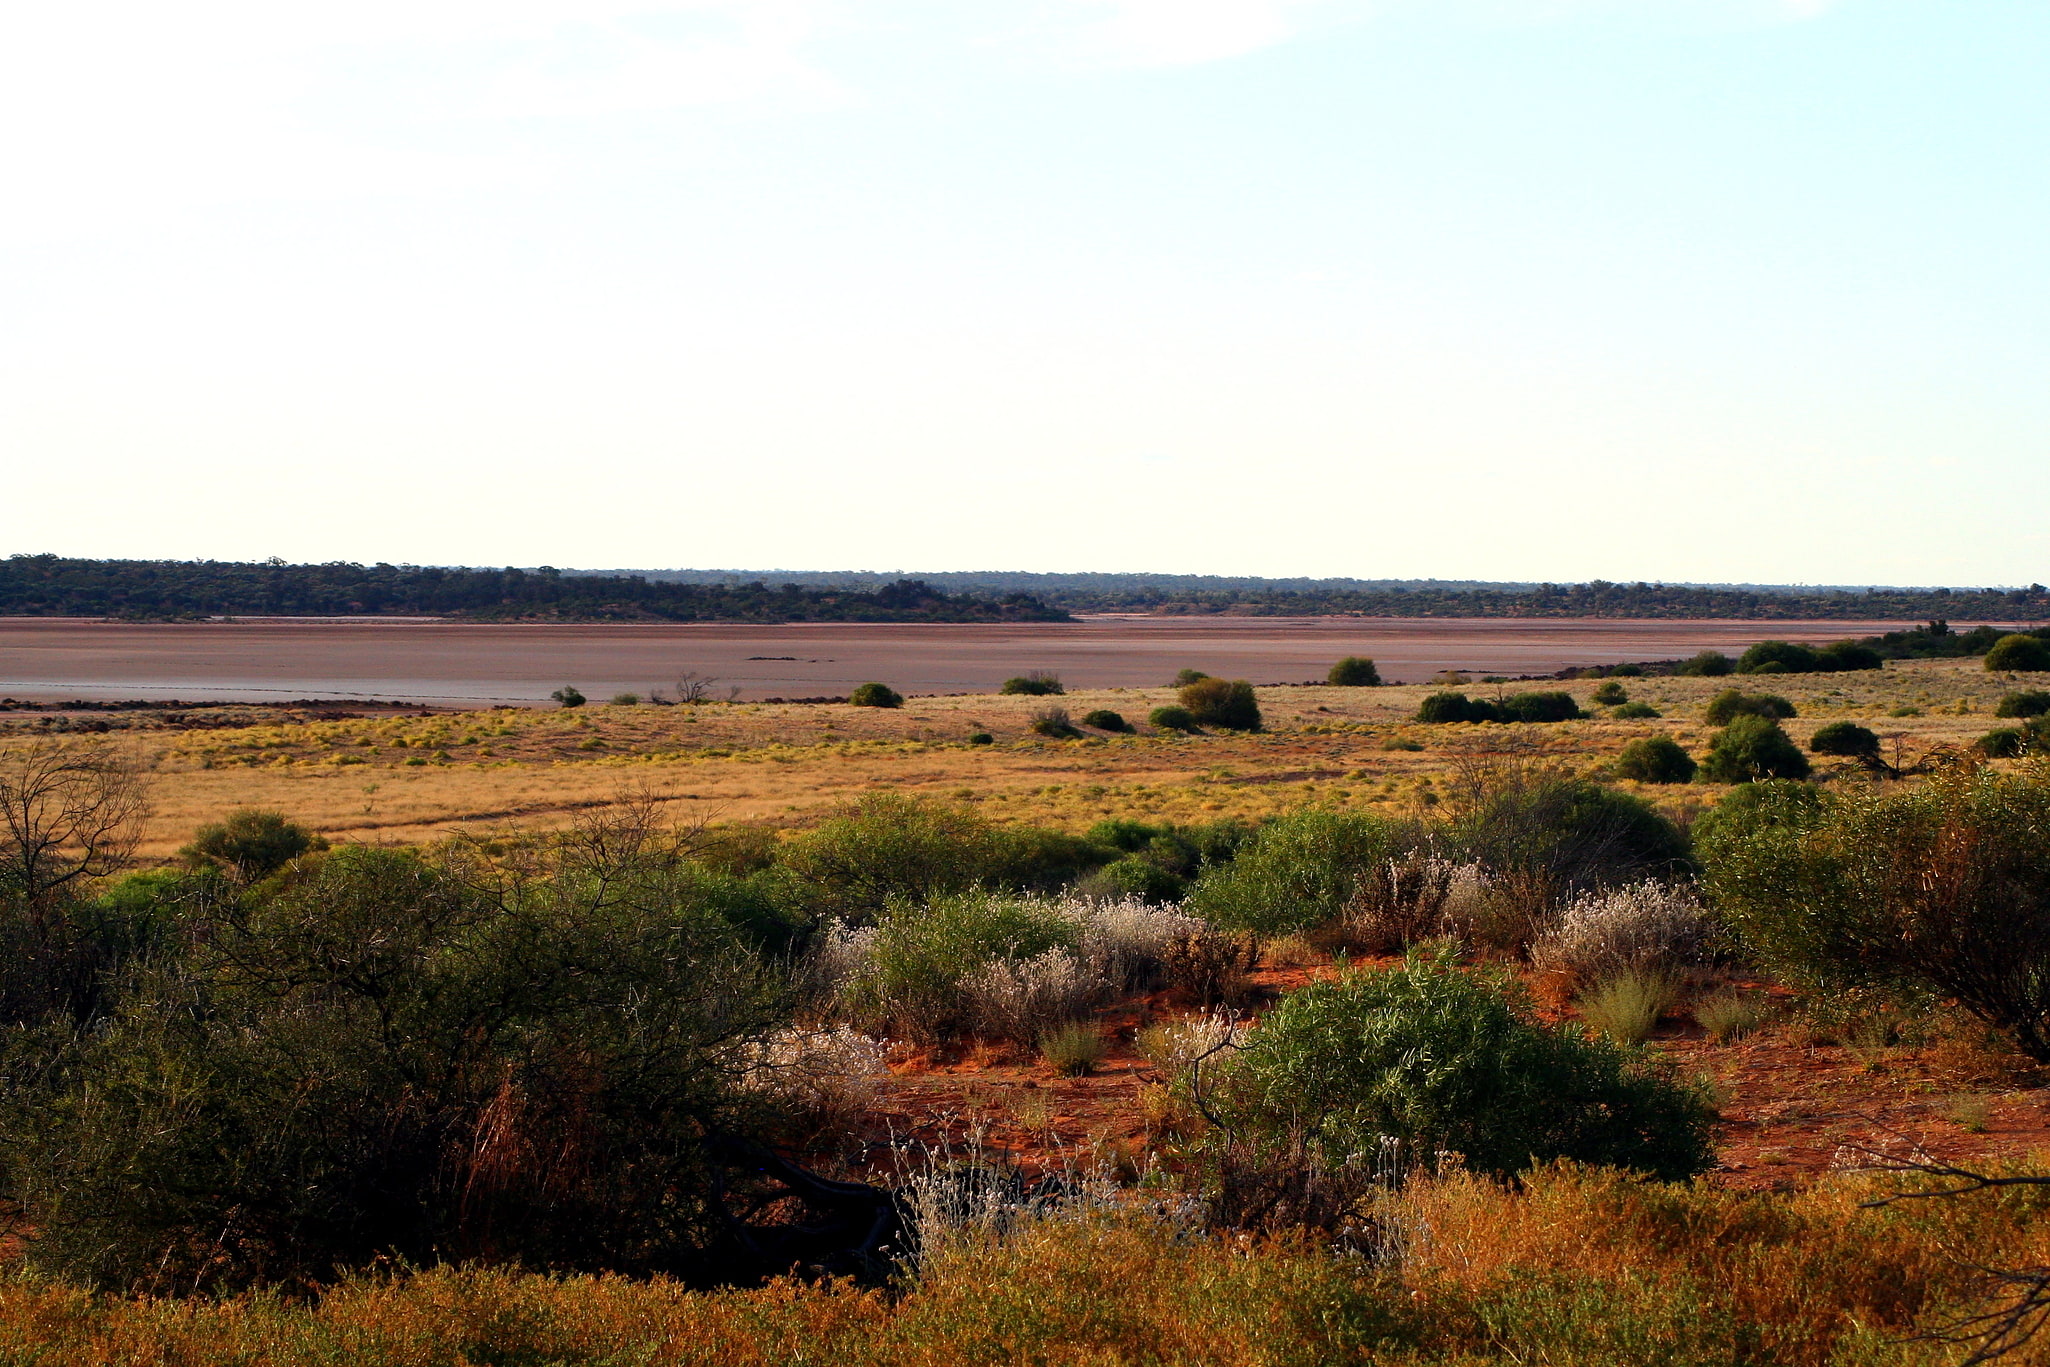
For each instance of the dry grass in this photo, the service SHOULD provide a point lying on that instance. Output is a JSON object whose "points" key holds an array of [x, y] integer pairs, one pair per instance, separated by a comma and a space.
{"points": [[1576, 1266], [415, 777]]}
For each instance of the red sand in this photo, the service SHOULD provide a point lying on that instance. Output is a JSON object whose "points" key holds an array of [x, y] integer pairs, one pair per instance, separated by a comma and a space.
{"points": [[45, 659]]}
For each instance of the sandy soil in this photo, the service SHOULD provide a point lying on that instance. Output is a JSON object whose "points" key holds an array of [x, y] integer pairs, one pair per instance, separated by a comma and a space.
{"points": [[487, 665]]}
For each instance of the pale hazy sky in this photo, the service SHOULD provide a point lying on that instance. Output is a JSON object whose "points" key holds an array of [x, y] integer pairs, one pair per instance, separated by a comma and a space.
{"points": [[1519, 289]]}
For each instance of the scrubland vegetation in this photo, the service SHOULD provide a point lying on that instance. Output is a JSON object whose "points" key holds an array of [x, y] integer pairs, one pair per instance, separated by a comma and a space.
{"points": [[1462, 1069]]}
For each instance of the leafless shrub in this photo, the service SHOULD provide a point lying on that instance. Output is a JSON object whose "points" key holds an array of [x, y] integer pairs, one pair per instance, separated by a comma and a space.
{"points": [[1209, 967], [827, 1077], [1647, 929], [1025, 999], [67, 812]]}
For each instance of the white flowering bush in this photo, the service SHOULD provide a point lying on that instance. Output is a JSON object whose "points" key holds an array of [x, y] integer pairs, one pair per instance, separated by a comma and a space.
{"points": [[824, 1075], [1023, 999], [1649, 928]]}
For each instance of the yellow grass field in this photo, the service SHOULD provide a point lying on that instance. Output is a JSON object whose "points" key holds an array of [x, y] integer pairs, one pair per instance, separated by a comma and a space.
{"points": [[413, 778]]}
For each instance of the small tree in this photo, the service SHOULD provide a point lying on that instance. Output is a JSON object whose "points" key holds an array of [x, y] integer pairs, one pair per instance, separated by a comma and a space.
{"points": [[1354, 671], [568, 695], [1611, 694], [68, 813], [1655, 759], [1753, 747], [1730, 704], [1228, 703], [2021, 652], [876, 695], [1709, 664]]}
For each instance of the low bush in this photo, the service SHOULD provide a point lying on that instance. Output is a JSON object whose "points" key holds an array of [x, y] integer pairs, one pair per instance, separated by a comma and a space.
{"points": [[821, 1079], [1648, 929], [1753, 747], [1709, 664], [626, 700], [1072, 1050], [1942, 888], [2010, 742], [981, 738], [1553, 833], [1053, 722], [2030, 703], [1777, 657], [250, 844], [568, 696], [1132, 944], [914, 972], [2019, 652], [1610, 694], [1172, 719], [1551, 706], [1626, 1008], [1354, 671], [1848, 655], [1228, 703], [1134, 877], [1726, 706], [1441, 709], [1103, 719], [1730, 1015], [1036, 684], [1184, 677], [1441, 1059], [1211, 967], [875, 695], [887, 847], [1633, 711], [1297, 872], [1023, 1000], [1655, 759], [1845, 738]]}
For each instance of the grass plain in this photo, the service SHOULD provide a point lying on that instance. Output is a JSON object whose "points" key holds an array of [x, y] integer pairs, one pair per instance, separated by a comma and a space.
{"points": [[411, 777]]}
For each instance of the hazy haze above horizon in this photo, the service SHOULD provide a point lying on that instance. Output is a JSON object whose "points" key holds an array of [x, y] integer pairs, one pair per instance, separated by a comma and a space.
{"points": [[1527, 290]]}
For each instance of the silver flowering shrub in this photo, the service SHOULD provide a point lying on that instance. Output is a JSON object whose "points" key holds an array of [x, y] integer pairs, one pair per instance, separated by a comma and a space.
{"points": [[1647, 928]]}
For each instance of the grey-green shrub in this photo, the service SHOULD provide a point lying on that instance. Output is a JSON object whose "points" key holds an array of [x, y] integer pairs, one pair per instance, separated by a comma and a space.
{"points": [[1229, 703], [1647, 928], [1655, 759], [911, 973], [1442, 1059], [1732, 703], [251, 843], [876, 695], [1172, 718], [1297, 872], [1753, 747], [1354, 671]]}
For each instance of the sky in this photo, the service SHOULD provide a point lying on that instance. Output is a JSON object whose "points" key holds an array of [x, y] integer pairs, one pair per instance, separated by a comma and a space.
{"points": [[1685, 290]]}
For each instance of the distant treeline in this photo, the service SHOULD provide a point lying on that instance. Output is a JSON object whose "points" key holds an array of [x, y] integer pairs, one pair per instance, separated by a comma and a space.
{"points": [[1208, 594], [169, 590]]}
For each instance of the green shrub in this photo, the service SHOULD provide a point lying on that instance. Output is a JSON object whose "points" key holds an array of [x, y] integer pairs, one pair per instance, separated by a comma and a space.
{"points": [[1354, 671], [981, 738], [1072, 1050], [1553, 831], [1297, 872], [568, 696], [1655, 759], [1726, 706], [1036, 684], [2031, 703], [1777, 657], [377, 1059], [1228, 703], [1053, 722], [1444, 708], [1172, 719], [1184, 677], [1442, 1059], [1635, 711], [1753, 747], [626, 700], [876, 695], [914, 974], [1750, 808], [887, 847], [1845, 738], [1103, 719], [1134, 877], [250, 844], [2030, 654], [1611, 694], [1730, 1015], [1848, 655], [1939, 889], [1549, 706], [2009, 742], [1709, 664]]}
